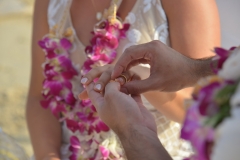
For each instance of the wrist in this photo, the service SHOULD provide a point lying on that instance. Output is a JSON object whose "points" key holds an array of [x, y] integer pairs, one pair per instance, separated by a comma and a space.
{"points": [[141, 143], [197, 69]]}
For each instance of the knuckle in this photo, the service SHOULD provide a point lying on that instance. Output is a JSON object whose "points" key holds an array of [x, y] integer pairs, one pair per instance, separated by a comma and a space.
{"points": [[97, 69], [88, 76], [155, 43], [129, 49], [109, 70]]}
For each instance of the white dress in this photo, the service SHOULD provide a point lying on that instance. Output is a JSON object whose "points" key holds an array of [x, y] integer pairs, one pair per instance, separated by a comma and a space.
{"points": [[148, 22]]}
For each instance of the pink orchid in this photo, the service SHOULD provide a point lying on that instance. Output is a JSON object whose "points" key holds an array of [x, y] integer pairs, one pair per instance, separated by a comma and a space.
{"points": [[73, 156], [102, 126], [49, 72], [50, 54], [54, 87], [72, 125], [74, 147], [54, 106], [105, 152], [87, 66], [59, 75], [48, 43], [69, 98], [86, 102], [83, 117], [65, 44], [64, 62], [222, 54], [75, 143]]}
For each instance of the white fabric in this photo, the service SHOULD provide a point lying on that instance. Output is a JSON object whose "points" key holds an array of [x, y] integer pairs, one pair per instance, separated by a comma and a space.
{"points": [[148, 22], [228, 141]]}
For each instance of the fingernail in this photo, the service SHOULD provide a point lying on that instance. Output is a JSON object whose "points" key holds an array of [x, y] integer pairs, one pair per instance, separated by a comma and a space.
{"points": [[84, 80], [120, 80], [98, 87]]}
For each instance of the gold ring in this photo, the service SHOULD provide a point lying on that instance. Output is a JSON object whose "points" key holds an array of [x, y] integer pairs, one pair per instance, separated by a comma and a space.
{"points": [[122, 75]]}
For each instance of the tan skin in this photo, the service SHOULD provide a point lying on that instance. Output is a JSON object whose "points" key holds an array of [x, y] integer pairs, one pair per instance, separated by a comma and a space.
{"points": [[194, 31], [45, 130]]}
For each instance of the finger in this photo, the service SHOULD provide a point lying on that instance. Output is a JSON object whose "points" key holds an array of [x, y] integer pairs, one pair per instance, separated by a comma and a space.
{"points": [[137, 62], [137, 98], [139, 86], [124, 77], [129, 55], [103, 80], [96, 98], [111, 88], [83, 95], [92, 74], [133, 78]]}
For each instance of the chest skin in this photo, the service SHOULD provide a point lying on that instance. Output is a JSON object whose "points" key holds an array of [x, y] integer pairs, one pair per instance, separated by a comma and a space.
{"points": [[83, 14]]}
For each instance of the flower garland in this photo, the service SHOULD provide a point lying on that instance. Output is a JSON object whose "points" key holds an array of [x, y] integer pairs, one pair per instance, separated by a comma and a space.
{"points": [[92, 138], [213, 99]]}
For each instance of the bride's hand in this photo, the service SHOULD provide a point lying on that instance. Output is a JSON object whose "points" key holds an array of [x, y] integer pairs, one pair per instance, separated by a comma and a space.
{"points": [[104, 75]]}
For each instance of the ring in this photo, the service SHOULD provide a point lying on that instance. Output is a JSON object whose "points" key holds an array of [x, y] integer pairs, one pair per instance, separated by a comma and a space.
{"points": [[125, 78]]}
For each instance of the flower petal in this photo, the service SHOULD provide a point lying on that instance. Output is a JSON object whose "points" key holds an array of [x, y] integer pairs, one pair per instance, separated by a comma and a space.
{"points": [[65, 43]]}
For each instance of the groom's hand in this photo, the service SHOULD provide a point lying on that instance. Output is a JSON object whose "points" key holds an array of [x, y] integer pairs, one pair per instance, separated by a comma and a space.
{"points": [[170, 70]]}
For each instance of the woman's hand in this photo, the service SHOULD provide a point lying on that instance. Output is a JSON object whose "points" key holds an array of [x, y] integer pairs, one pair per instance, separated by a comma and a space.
{"points": [[104, 75], [130, 120]]}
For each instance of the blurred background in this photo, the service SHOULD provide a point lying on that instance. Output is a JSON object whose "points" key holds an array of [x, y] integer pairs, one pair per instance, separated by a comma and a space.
{"points": [[15, 40]]}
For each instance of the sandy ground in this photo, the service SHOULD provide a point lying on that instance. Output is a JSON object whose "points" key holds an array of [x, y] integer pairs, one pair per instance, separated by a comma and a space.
{"points": [[15, 37]]}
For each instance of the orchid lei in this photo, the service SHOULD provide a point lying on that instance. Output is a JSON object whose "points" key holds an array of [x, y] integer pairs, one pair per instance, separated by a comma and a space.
{"points": [[92, 138], [213, 100]]}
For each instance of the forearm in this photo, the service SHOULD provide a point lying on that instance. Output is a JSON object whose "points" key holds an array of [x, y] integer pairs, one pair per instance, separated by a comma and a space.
{"points": [[141, 143], [45, 131], [169, 104]]}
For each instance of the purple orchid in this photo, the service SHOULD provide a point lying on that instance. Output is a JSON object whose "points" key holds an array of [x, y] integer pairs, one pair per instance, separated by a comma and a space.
{"points": [[222, 54], [207, 105], [65, 44], [74, 147], [196, 133]]}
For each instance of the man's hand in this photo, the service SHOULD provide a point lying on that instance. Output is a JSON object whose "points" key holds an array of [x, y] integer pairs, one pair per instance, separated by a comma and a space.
{"points": [[170, 70], [130, 120]]}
